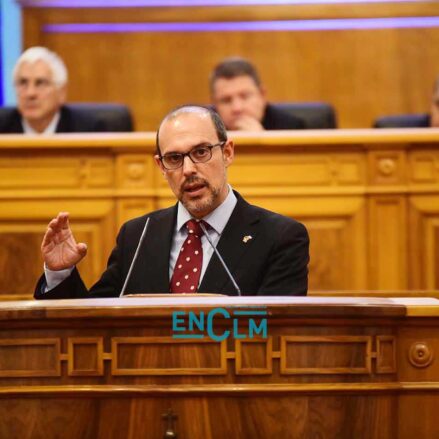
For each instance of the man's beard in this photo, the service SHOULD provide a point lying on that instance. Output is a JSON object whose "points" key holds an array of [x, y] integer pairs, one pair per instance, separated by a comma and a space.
{"points": [[204, 204]]}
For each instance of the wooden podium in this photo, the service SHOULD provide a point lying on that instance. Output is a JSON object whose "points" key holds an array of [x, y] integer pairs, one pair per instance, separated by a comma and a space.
{"points": [[332, 368]]}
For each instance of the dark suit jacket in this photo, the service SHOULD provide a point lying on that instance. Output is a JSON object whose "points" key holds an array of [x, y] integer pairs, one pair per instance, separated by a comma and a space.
{"points": [[70, 121], [276, 119], [273, 262]]}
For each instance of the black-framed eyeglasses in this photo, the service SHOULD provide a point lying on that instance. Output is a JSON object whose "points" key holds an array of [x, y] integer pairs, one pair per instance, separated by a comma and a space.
{"points": [[199, 154]]}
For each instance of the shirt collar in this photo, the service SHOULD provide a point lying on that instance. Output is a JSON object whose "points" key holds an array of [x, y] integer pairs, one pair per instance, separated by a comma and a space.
{"points": [[50, 129], [217, 219]]}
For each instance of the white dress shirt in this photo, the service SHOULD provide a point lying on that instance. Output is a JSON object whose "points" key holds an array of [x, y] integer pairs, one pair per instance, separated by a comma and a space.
{"points": [[50, 129]]}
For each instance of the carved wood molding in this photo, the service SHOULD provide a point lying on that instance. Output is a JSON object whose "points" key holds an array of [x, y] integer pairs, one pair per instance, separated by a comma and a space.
{"points": [[39, 357], [364, 343], [149, 356], [137, 347], [100, 391], [421, 354]]}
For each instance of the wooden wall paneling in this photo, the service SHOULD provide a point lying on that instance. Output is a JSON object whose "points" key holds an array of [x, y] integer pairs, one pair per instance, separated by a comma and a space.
{"points": [[339, 236], [254, 356], [417, 243], [294, 65], [337, 417], [19, 416], [85, 356], [369, 201], [135, 171], [388, 253], [334, 222], [387, 220], [135, 182], [132, 207], [419, 425], [297, 169], [293, 358], [35, 187], [140, 356], [338, 245], [417, 362], [30, 357], [424, 240], [386, 354], [424, 168], [20, 258], [299, 416], [87, 171], [94, 224], [387, 168], [333, 76], [423, 218], [417, 354], [32, 20], [22, 226]]}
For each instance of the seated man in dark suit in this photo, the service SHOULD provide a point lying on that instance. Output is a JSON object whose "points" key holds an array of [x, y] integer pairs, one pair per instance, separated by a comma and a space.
{"points": [[266, 253], [240, 99], [40, 80]]}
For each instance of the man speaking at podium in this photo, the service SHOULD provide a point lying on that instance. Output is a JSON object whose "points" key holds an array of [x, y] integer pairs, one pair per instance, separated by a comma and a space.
{"points": [[211, 241]]}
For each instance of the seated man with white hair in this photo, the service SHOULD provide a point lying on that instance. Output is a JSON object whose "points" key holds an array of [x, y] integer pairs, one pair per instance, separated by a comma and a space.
{"points": [[40, 80]]}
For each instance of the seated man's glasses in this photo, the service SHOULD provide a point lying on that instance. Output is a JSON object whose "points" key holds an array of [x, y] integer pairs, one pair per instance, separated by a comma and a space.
{"points": [[200, 154]]}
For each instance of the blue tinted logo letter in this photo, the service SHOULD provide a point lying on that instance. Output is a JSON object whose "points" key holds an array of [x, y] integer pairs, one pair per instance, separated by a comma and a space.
{"points": [[210, 331]]}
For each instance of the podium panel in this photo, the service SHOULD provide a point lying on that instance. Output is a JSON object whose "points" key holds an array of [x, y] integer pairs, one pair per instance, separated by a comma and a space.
{"points": [[216, 367]]}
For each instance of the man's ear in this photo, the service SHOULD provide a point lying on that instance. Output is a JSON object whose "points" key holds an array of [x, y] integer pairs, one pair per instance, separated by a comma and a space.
{"points": [[62, 96], [228, 152]]}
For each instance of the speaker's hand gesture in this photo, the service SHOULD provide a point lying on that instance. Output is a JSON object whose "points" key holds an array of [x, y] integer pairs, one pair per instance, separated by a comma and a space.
{"points": [[59, 248]]}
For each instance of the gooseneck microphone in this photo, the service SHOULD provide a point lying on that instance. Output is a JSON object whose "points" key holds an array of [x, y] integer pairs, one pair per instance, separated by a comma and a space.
{"points": [[220, 258], [142, 237]]}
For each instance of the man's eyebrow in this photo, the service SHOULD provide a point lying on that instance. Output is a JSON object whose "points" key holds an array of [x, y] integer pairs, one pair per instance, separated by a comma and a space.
{"points": [[27, 78], [201, 144], [190, 149]]}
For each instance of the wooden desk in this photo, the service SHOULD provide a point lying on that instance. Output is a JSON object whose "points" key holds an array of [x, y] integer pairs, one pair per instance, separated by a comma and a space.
{"points": [[329, 367], [370, 199]]}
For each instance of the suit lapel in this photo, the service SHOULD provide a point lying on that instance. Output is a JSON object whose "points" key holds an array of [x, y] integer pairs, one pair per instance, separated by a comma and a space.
{"points": [[231, 246], [156, 251], [63, 125], [15, 125]]}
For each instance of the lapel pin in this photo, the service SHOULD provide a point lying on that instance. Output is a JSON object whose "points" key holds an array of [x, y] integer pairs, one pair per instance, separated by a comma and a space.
{"points": [[246, 239]]}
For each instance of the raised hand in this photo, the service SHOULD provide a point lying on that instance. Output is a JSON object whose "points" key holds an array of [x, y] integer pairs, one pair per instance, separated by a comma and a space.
{"points": [[59, 248]]}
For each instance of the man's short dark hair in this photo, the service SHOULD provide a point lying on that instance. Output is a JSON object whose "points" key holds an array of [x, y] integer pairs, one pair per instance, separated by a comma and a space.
{"points": [[220, 128], [233, 67]]}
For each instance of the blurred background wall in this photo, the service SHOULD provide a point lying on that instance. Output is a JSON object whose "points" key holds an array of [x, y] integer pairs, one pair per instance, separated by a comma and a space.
{"points": [[367, 58]]}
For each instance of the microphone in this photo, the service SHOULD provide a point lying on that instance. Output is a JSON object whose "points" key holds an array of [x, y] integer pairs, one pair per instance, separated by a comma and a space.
{"points": [[220, 258], [142, 237]]}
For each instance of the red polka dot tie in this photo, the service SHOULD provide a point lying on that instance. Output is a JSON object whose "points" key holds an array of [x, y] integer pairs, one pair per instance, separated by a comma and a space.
{"points": [[187, 269]]}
